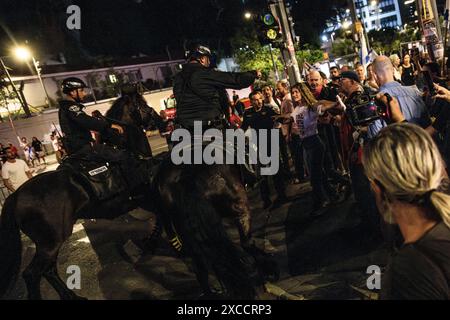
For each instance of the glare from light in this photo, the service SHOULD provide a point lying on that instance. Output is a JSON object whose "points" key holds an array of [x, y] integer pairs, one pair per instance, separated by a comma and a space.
{"points": [[247, 15], [346, 24], [22, 53]]}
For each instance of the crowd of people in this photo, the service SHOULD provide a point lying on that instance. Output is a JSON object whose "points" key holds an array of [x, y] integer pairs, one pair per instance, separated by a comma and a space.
{"points": [[399, 170], [394, 164]]}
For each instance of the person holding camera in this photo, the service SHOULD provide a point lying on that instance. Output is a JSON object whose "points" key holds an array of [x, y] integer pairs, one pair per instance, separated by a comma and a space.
{"points": [[407, 177], [358, 96], [409, 98]]}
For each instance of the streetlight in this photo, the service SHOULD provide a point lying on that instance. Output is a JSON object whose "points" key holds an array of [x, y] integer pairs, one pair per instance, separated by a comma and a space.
{"points": [[16, 92], [346, 24], [247, 15], [24, 54]]}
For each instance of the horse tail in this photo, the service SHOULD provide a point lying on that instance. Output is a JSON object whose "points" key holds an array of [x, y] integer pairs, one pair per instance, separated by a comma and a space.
{"points": [[204, 237], [10, 246]]}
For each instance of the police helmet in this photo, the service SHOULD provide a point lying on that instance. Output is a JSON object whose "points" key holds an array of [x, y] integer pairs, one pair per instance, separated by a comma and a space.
{"points": [[72, 83], [197, 52]]}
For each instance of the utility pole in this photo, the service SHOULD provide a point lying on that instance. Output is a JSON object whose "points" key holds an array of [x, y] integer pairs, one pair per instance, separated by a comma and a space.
{"points": [[38, 72], [18, 96], [278, 9], [431, 29], [277, 75], [359, 35]]}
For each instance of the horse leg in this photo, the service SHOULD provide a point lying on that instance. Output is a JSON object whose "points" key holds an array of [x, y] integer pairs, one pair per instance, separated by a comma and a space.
{"points": [[33, 274], [201, 273], [51, 274]]}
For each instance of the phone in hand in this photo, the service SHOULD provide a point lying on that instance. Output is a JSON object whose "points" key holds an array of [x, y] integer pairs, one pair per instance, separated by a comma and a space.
{"points": [[429, 82]]}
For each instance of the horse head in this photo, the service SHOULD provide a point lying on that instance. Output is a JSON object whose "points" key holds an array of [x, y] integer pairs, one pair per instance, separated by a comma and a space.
{"points": [[132, 112]]}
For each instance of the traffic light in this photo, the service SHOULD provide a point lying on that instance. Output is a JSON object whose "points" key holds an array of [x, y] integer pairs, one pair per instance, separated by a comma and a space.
{"points": [[269, 30]]}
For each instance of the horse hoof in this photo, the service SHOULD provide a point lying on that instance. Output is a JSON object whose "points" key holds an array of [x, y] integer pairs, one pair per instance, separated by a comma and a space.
{"points": [[75, 297]]}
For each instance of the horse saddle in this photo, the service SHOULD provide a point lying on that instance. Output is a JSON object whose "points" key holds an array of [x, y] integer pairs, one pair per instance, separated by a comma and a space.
{"points": [[104, 180]]}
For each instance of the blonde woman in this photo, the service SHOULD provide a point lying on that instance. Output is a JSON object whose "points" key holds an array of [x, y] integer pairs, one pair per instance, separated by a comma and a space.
{"points": [[397, 67], [406, 174]]}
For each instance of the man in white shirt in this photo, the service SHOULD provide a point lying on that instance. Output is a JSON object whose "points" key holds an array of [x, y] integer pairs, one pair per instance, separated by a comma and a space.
{"points": [[15, 172]]}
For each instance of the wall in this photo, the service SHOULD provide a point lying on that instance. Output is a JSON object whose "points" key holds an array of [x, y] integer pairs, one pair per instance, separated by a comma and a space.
{"points": [[42, 125], [35, 94]]}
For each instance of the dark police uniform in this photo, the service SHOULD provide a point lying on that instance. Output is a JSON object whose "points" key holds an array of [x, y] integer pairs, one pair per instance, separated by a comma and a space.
{"points": [[76, 126], [257, 120], [197, 92]]}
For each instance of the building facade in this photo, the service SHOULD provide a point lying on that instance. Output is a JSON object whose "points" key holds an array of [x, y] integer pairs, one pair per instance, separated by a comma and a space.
{"points": [[379, 14]]}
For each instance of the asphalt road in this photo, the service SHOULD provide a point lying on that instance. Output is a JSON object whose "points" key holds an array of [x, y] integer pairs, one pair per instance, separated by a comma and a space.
{"points": [[319, 258]]}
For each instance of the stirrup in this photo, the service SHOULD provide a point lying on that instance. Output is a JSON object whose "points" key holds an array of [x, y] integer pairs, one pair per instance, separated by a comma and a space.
{"points": [[176, 243]]}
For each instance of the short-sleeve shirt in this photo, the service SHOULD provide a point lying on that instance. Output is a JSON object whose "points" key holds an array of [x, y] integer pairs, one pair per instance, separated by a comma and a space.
{"points": [[305, 120], [287, 107], [420, 270], [15, 172], [411, 105]]}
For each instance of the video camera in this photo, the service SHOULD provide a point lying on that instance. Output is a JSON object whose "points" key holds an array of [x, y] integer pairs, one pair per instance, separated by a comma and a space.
{"points": [[365, 108]]}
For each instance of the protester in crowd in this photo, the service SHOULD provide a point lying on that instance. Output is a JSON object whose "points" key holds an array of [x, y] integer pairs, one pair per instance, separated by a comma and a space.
{"points": [[324, 78], [408, 71], [359, 69], [234, 120], [327, 131], [263, 118], [305, 116], [290, 134], [370, 81], [15, 172], [440, 129], [270, 100], [334, 72], [406, 175], [409, 98], [334, 77], [13, 149], [435, 70], [39, 152], [3, 153], [235, 97], [28, 151], [397, 69], [57, 147]]}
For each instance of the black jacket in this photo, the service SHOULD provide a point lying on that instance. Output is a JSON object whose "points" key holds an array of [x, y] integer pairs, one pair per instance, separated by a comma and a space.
{"points": [[197, 91], [76, 125]]}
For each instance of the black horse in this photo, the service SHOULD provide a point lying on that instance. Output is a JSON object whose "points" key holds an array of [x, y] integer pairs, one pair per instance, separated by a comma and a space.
{"points": [[190, 199], [47, 206]]}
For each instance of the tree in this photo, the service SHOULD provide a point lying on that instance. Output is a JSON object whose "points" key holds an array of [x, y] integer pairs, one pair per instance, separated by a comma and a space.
{"points": [[308, 54], [389, 40], [342, 47]]}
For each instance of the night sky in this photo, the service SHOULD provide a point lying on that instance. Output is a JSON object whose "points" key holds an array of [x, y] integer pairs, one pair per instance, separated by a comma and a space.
{"points": [[125, 28], [121, 27]]}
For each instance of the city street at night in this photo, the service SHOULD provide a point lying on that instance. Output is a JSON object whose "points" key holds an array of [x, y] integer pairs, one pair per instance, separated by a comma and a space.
{"points": [[232, 157]]}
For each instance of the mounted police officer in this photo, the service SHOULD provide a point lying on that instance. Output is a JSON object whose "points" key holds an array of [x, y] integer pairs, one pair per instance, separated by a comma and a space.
{"points": [[76, 125], [198, 87]]}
